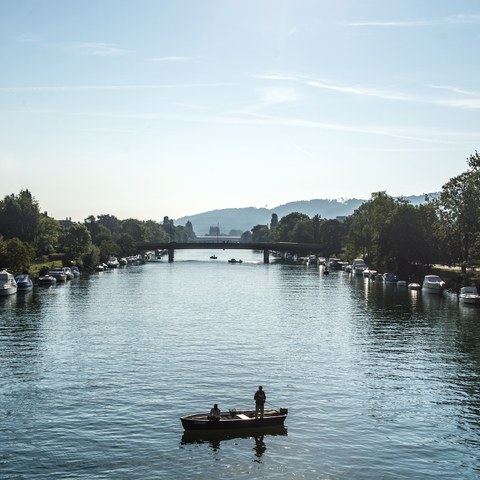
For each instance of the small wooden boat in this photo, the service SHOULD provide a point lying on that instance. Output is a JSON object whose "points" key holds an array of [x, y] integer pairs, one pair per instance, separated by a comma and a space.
{"points": [[234, 419]]}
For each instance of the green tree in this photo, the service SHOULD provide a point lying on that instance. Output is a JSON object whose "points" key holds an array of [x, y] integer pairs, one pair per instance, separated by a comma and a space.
{"points": [[260, 233], [110, 222], [126, 243], [19, 216], [285, 230], [154, 232], [91, 258], [109, 248], [459, 211], [331, 236], [48, 234], [16, 255], [367, 237], [76, 241]]}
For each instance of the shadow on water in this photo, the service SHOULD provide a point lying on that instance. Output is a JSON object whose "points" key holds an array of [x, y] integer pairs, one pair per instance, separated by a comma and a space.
{"points": [[214, 439]]}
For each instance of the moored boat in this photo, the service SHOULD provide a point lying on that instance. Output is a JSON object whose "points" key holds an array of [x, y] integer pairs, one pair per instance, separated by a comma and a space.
{"points": [[469, 295], [358, 266], [433, 284], [390, 278], [24, 281], [75, 270], [113, 262], [47, 280], [59, 274], [234, 260], [414, 286], [8, 285], [234, 419]]}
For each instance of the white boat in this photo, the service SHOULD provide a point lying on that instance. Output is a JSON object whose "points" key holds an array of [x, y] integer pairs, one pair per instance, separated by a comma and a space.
{"points": [[75, 270], [59, 274], [113, 262], [469, 295], [47, 280], [414, 286], [402, 283], [433, 284], [358, 266], [8, 285], [68, 272]]}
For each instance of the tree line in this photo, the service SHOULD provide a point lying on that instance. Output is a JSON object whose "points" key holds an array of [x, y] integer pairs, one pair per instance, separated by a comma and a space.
{"points": [[393, 235], [390, 233]]}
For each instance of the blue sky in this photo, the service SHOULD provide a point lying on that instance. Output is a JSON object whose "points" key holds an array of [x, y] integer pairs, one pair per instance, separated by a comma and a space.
{"points": [[149, 108]]}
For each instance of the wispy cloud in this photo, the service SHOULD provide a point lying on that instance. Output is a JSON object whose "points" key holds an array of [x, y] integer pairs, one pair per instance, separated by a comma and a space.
{"points": [[460, 19], [27, 38], [473, 102], [170, 59], [86, 88], [98, 49]]}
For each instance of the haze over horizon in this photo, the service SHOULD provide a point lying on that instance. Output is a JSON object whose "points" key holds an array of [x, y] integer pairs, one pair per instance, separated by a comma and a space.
{"points": [[149, 109]]}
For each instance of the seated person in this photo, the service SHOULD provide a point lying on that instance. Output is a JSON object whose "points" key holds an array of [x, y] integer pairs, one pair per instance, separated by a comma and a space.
{"points": [[214, 413]]}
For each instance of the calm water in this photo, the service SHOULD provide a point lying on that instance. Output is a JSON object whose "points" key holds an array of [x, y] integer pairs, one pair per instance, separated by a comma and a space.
{"points": [[380, 382]]}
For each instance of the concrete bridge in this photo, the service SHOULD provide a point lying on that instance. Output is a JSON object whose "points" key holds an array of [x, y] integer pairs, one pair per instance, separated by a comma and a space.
{"points": [[267, 247]]}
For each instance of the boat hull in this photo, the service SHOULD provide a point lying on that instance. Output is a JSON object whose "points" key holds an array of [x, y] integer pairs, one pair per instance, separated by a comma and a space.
{"points": [[243, 419], [5, 291]]}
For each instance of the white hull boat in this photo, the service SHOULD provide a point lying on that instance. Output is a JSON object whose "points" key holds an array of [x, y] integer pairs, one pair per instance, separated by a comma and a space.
{"points": [[469, 295], [433, 284], [8, 285]]}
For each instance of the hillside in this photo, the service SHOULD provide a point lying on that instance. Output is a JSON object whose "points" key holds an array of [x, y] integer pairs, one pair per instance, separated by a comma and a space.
{"points": [[246, 218]]}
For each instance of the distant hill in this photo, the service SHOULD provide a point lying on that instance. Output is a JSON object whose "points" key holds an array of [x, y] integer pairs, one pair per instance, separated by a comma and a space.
{"points": [[246, 218]]}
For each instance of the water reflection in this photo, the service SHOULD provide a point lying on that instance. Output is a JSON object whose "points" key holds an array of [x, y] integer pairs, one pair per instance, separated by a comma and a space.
{"points": [[214, 439]]}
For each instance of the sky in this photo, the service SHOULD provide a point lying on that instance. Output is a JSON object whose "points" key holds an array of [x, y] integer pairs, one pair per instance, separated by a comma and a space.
{"points": [[151, 108]]}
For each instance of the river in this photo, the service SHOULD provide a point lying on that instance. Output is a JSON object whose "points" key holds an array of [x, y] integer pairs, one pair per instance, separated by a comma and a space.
{"points": [[380, 382]]}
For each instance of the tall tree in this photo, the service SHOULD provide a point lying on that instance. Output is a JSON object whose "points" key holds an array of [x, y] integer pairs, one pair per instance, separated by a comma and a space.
{"points": [[459, 211], [76, 241], [284, 232], [19, 216]]}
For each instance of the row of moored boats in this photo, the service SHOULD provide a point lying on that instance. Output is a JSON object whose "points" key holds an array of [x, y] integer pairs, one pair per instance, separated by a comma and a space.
{"points": [[431, 283], [10, 284]]}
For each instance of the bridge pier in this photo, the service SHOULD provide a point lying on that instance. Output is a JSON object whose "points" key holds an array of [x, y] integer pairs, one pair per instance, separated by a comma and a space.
{"points": [[266, 256], [170, 255]]}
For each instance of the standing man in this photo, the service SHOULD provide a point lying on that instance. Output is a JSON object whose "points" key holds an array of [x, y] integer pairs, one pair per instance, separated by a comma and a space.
{"points": [[260, 399]]}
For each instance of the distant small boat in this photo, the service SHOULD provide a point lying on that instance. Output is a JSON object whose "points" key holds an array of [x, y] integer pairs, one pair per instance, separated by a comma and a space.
{"points": [[402, 283], [24, 281], [234, 419], [213, 257], [414, 286], [233, 260], [469, 295]]}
